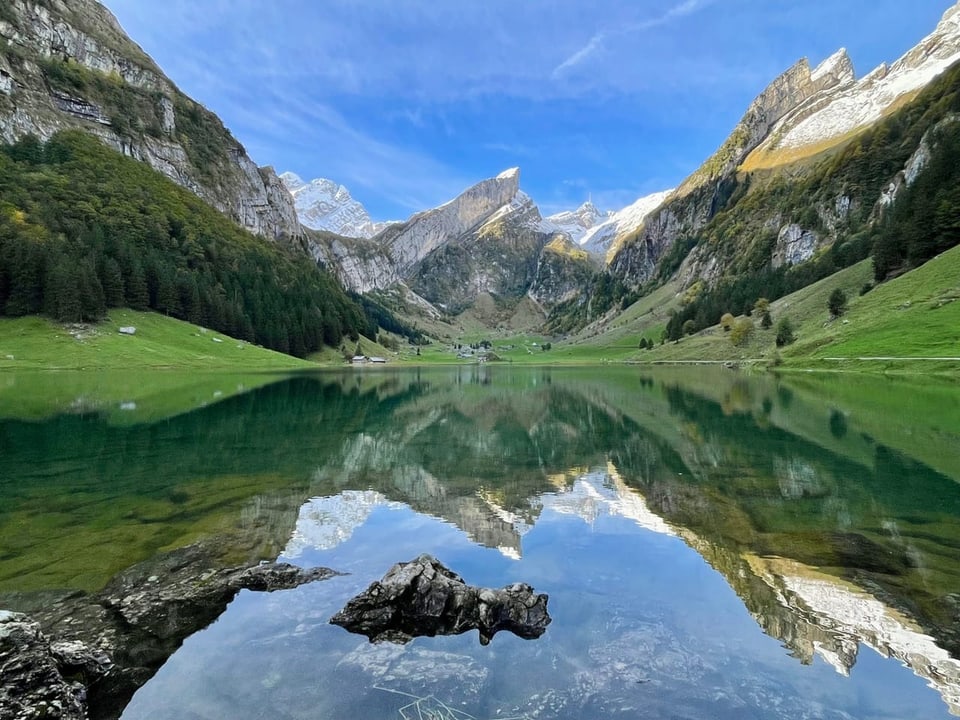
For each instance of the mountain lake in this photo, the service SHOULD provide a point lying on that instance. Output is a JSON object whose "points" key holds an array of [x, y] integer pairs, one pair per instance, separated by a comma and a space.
{"points": [[714, 544]]}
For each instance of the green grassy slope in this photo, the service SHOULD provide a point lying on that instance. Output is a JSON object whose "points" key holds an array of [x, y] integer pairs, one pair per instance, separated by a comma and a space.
{"points": [[32, 343], [913, 316]]}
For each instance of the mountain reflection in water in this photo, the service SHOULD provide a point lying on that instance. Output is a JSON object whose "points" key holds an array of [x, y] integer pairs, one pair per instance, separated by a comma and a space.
{"points": [[832, 518]]}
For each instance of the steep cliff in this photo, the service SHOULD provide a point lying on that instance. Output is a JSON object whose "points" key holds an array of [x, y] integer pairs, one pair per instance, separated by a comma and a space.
{"points": [[782, 218], [845, 107], [486, 242], [784, 95], [498, 258], [564, 270], [410, 242], [70, 65]]}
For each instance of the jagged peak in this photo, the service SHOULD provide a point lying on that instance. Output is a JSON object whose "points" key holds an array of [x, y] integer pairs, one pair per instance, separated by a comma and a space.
{"points": [[800, 67], [838, 67], [291, 180], [878, 73], [510, 174], [950, 21]]}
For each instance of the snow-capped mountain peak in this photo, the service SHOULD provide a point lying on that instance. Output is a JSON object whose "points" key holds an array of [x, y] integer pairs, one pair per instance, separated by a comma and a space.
{"points": [[326, 205], [576, 223], [595, 231], [849, 104]]}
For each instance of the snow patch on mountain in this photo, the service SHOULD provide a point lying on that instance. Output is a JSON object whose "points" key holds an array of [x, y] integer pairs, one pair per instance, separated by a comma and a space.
{"points": [[855, 104], [326, 205], [576, 223], [598, 239]]}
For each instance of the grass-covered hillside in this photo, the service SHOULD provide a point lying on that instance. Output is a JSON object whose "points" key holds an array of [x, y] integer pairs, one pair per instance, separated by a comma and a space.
{"points": [[911, 323], [84, 229], [33, 342]]}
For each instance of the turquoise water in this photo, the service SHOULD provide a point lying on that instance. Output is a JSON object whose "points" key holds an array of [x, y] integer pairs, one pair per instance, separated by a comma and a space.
{"points": [[713, 545]]}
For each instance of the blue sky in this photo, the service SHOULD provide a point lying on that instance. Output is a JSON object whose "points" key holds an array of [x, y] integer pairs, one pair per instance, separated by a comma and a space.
{"points": [[408, 102]]}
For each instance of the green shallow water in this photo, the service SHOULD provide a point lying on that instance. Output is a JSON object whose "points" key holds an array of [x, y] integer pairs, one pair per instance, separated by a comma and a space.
{"points": [[714, 544]]}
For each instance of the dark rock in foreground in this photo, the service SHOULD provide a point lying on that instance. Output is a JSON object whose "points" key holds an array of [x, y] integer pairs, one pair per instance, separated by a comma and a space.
{"points": [[80, 656], [33, 681], [423, 597]]}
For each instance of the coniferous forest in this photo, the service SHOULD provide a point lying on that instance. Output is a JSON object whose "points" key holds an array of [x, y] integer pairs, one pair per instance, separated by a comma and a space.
{"points": [[84, 229]]}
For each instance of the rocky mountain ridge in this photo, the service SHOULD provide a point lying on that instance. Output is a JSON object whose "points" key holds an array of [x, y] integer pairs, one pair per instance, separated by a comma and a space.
{"points": [[323, 204], [487, 241], [802, 111], [603, 236], [70, 65], [850, 104], [576, 224]]}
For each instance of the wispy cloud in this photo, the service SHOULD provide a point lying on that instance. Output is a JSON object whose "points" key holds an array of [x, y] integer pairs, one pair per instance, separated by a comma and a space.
{"points": [[595, 43]]}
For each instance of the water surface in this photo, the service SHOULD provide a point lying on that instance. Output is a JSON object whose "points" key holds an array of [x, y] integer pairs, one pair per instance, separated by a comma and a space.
{"points": [[713, 545]]}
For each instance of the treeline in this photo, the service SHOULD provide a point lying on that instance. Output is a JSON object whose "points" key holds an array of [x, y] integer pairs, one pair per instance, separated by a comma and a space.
{"points": [[84, 229], [379, 317]]}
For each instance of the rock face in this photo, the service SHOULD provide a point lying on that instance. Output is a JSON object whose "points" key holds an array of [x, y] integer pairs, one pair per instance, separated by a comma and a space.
{"points": [[91, 653], [802, 111], [563, 271], [914, 165], [485, 242], [422, 597], [848, 105], [410, 242], [794, 245], [604, 237], [322, 204], [784, 95], [636, 257], [498, 257], [70, 65], [33, 683]]}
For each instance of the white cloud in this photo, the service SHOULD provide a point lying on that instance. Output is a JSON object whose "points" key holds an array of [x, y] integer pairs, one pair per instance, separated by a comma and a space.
{"points": [[596, 42]]}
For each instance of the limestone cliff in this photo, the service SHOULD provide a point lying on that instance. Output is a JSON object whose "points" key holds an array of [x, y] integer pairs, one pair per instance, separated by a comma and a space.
{"points": [[803, 112], [70, 65], [499, 258], [786, 93], [563, 271], [487, 241], [410, 242], [360, 265]]}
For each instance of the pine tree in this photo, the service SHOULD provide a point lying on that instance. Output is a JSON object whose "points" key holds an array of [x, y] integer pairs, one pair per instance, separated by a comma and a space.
{"points": [[92, 304], [111, 280], [61, 291]]}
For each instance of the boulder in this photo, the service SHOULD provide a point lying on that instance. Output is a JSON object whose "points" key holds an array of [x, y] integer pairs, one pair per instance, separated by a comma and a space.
{"points": [[422, 597], [33, 684]]}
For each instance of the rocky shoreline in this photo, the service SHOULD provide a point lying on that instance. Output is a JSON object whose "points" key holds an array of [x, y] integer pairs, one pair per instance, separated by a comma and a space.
{"points": [[76, 656]]}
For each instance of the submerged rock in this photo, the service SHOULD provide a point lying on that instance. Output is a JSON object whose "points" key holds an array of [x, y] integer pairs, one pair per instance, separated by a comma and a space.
{"points": [[80, 656], [422, 597]]}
